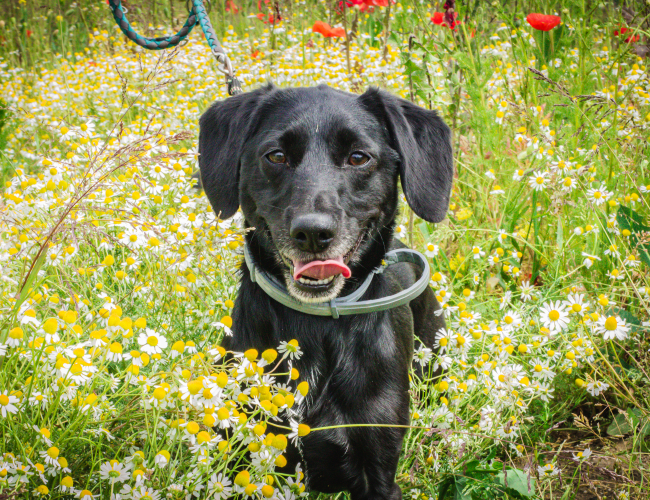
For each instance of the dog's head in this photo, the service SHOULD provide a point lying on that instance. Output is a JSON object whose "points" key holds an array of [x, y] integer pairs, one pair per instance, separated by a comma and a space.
{"points": [[315, 173]]}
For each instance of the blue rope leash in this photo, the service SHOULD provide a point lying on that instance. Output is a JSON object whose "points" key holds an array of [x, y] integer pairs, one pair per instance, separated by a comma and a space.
{"points": [[197, 14]]}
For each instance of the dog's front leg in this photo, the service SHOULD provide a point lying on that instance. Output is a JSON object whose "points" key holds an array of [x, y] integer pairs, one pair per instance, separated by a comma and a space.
{"points": [[378, 450]]}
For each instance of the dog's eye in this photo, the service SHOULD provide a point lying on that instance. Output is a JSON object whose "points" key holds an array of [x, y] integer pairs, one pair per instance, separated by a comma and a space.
{"points": [[276, 157], [358, 158]]}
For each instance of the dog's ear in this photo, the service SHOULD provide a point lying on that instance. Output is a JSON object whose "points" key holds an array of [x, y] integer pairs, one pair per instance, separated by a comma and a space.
{"points": [[223, 131], [423, 142]]}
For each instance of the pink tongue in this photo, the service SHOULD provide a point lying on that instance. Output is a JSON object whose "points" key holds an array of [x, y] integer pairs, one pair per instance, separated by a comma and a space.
{"points": [[320, 270]]}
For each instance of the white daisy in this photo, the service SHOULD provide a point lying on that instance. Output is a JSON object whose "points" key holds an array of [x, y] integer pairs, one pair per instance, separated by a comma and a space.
{"points": [[613, 327], [219, 487], [598, 195], [576, 303], [152, 342], [538, 181], [431, 250], [7, 404], [553, 316], [597, 387], [113, 472], [477, 253]]}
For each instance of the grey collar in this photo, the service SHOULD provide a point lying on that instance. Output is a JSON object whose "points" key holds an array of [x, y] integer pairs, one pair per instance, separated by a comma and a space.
{"points": [[350, 304]]}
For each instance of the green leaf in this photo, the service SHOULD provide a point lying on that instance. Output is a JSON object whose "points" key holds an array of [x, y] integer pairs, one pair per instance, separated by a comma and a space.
{"points": [[471, 467], [623, 424], [633, 222], [525, 153], [629, 219], [424, 230], [394, 39], [458, 488], [517, 483], [444, 487], [411, 67]]}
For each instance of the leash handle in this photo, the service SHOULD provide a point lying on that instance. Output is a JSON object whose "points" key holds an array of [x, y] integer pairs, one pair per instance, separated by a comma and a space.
{"points": [[159, 43], [197, 14]]}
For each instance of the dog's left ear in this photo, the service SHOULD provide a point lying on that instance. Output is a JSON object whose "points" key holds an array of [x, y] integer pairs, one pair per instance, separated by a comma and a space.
{"points": [[423, 142]]}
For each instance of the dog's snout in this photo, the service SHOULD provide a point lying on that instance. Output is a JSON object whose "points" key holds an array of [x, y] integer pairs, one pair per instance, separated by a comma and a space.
{"points": [[313, 232]]}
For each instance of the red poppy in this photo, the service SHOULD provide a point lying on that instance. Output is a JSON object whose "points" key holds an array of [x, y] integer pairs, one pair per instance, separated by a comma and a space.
{"points": [[364, 5], [29, 33], [255, 53], [543, 22], [629, 39], [371, 4], [622, 30], [231, 7], [327, 31], [271, 19], [438, 18]]}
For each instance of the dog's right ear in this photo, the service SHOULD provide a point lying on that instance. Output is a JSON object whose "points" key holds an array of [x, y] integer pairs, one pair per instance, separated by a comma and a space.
{"points": [[223, 131]]}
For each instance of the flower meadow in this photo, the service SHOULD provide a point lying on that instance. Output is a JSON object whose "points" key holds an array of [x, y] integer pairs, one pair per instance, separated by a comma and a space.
{"points": [[118, 280]]}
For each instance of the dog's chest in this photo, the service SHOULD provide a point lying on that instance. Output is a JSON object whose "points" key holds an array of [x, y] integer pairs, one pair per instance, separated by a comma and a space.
{"points": [[347, 364]]}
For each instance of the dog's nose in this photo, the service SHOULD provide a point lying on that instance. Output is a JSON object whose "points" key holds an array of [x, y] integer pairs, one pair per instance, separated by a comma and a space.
{"points": [[313, 232]]}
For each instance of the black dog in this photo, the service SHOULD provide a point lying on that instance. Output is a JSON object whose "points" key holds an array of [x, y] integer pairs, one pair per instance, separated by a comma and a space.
{"points": [[315, 172]]}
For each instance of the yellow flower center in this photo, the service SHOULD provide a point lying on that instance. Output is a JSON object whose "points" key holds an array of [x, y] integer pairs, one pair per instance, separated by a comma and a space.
{"points": [[554, 315], [203, 437], [611, 324], [50, 326], [152, 341]]}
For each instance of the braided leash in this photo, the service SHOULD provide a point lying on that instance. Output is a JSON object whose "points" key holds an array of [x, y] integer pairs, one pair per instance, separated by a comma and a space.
{"points": [[196, 13]]}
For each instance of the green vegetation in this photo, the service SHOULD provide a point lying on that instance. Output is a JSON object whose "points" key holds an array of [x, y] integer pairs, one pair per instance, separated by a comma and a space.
{"points": [[118, 281]]}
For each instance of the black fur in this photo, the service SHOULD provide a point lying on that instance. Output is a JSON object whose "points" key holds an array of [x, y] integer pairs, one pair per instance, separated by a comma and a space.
{"points": [[357, 366]]}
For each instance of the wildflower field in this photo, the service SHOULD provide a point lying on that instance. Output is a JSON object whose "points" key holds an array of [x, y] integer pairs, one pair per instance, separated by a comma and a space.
{"points": [[117, 279]]}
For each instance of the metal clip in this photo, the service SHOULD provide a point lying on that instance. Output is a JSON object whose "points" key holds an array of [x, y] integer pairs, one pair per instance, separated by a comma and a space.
{"points": [[223, 62]]}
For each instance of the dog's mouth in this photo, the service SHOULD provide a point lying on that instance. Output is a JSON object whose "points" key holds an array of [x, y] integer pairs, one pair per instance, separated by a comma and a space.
{"points": [[320, 275]]}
